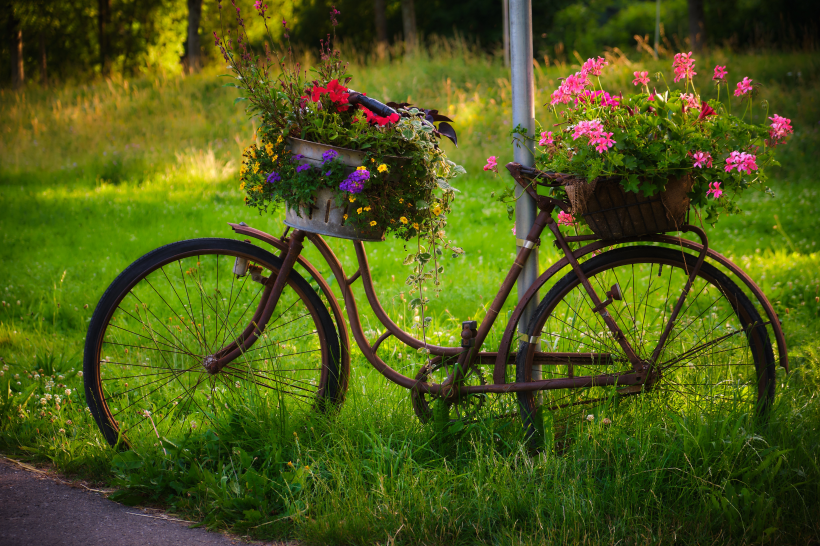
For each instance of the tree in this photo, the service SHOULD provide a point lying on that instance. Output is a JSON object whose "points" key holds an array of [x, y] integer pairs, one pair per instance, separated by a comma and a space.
{"points": [[194, 51], [697, 29], [103, 18], [381, 22], [15, 33], [408, 16]]}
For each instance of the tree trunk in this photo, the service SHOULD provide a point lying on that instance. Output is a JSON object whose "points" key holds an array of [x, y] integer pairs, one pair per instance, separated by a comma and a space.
{"points": [[381, 22], [43, 60], [505, 22], [697, 30], [408, 15], [15, 34], [194, 16], [103, 17]]}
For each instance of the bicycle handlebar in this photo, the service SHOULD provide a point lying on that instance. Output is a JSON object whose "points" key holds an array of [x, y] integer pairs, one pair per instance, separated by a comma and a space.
{"points": [[378, 108]]}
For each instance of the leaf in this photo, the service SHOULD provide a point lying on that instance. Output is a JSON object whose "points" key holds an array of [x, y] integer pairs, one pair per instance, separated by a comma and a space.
{"points": [[447, 130], [415, 302], [237, 99], [421, 204], [631, 183], [409, 259]]}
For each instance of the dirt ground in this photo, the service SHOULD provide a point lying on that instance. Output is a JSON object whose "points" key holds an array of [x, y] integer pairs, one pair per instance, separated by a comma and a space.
{"points": [[37, 508]]}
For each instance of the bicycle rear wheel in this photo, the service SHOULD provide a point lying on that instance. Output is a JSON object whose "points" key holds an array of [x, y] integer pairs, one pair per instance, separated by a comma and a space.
{"points": [[717, 358], [167, 312]]}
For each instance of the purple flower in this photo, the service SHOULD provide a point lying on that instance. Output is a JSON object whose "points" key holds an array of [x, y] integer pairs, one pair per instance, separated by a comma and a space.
{"points": [[354, 183], [274, 177], [328, 173], [302, 168], [296, 157], [329, 155]]}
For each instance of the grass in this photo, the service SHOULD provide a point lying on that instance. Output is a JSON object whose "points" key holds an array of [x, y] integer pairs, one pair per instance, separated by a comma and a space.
{"points": [[93, 177]]}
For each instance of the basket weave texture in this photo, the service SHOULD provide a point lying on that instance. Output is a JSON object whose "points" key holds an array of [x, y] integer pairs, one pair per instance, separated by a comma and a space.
{"points": [[614, 213]]}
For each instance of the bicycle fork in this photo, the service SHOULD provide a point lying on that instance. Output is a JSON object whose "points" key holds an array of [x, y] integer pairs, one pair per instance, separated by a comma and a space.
{"points": [[270, 298]]}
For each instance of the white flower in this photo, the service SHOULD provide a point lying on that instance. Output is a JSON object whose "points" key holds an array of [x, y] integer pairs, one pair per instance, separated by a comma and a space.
{"points": [[57, 399], [48, 397], [62, 431], [36, 376], [17, 376], [590, 418], [43, 401], [2, 373], [606, 421], [236, 384], [68, 392], [60, 377], [79, 374]]}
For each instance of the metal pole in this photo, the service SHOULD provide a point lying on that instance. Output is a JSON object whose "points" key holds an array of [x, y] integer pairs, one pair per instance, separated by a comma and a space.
{"points": [[523, 108]]}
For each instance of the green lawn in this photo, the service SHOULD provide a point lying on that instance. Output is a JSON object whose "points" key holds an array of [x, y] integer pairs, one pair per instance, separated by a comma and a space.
{"points": [[93, 177]]}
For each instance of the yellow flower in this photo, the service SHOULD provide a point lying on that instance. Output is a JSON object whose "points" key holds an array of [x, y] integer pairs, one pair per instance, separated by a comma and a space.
{"points": [[359, 210], [415, 225], [436, 208], [274, 158], [372, 222], [279, 140], [352, 199], [345, 217], [372, 160], [367, 208], [362, 168], [243, 169], [256, 168], [251, 151], [401, 200], [382, 168], [242, 186], [392, 221], [403, 220], [269, 148]]}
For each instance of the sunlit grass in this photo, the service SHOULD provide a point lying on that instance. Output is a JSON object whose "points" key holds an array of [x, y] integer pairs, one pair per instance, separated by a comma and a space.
{"points": [[93, 177]]}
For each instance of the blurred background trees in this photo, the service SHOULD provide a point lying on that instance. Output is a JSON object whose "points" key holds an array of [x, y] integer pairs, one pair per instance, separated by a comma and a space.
{"points": [[62, 40]]}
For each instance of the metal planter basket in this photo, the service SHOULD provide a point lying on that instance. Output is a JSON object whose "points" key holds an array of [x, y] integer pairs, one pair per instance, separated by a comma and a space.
{"points": [[614, 213], [323, 216]]}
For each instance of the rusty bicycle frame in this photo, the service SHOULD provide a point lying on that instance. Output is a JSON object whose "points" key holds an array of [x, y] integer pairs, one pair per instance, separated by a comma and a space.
{"points": [[469, 353]]}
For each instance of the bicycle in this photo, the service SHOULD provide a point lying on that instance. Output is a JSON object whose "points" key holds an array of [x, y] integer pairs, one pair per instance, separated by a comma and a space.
{"points": [[186, 330]]}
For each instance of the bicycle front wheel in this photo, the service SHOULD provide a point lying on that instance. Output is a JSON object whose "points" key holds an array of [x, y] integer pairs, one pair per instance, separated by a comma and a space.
{"points": [[717, 358], [172, 309]]}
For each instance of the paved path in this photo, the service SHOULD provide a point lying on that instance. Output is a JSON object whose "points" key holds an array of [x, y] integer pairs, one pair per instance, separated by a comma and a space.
{"points": [[39, 510]]}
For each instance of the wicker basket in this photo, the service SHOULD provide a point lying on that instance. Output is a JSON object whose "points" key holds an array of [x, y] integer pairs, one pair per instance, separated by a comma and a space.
{"points": [[323, 216], [614, 213]]}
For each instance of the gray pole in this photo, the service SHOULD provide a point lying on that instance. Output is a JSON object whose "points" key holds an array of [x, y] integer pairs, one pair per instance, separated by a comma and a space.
{"points": [[657, 26], [505, 23], [523, 110]]}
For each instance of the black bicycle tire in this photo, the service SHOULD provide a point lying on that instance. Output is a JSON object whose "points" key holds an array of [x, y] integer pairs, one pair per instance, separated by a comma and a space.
{"points": [[332, 393]]}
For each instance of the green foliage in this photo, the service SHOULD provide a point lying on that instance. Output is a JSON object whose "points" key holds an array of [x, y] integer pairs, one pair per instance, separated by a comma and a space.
{"points": [[374, 474]]}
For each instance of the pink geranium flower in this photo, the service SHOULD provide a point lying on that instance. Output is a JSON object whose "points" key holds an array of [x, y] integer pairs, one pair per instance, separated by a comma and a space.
{"points": [[593, 66], [546, 138], [720, 73], [492, 164], [741, 161], [641, 78], [592, 129], [690, 100], [592, 97], [780, 127], [565, 219], [743, 87], [706, 110], [571, 86], [702, 159], [684, 66], [602, 142], [714, 190]]}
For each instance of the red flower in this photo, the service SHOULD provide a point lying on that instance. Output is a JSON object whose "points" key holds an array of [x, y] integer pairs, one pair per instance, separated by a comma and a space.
{"points": [[379, 120], [706, 110]]}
